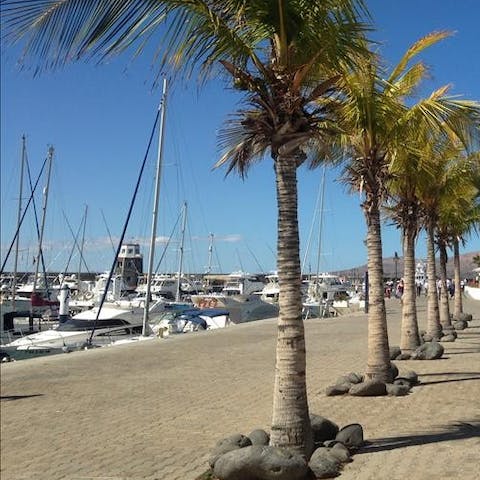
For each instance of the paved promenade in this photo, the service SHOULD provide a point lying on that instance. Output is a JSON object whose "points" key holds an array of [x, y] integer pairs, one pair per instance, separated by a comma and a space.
{"points": [[153, 410]]}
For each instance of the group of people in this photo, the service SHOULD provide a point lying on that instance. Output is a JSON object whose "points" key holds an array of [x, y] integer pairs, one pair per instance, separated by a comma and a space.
{"points": [[397, 288]]}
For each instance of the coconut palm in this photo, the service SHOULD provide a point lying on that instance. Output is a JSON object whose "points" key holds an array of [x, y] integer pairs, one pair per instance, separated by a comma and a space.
{"points": [[459, 215], [376, 121], [282, 56]]}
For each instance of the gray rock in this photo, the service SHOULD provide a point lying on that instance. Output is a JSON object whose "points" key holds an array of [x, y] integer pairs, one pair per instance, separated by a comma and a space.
{"points": [[342, 380], [404, 356], [427, 337], [259, 437], [323, 464], [394, 352], [464, 316], [393, 370], [334, 390], [351, 436], [353, 377], [261, 462], [234, 442], [403, 381], [460, 324], [369, 388], [448, 338], [397, 390], [322, 428], [428, 351], [329, 443], [340, 451], [411, 376]]}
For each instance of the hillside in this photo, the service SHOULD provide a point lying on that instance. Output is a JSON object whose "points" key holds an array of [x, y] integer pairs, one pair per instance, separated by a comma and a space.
{"points": [[466, 265]]}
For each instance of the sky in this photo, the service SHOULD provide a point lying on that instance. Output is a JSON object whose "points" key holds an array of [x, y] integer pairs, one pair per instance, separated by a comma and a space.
{"points": [[98, 118]]}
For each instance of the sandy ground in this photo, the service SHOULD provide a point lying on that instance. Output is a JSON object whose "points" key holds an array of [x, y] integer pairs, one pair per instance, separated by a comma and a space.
{"points": [[153, 410]]}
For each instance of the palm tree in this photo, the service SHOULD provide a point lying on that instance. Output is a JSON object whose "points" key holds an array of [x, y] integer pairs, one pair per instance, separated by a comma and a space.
{"points": [[460, 214], [375, 121], [283, 56]]}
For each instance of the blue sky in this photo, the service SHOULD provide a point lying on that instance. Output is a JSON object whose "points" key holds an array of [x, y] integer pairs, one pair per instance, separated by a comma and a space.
{"points": [[98, 119]]}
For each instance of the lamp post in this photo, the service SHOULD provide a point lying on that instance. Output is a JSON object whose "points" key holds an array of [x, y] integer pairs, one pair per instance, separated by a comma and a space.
{"points": [[395, 259]]}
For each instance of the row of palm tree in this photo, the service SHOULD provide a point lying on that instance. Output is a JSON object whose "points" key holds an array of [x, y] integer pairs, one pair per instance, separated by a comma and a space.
{"points": [[314, 91]]}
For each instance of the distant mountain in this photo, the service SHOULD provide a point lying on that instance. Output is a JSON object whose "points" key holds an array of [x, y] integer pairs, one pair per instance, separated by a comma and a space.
{"points": [[466, 267]]}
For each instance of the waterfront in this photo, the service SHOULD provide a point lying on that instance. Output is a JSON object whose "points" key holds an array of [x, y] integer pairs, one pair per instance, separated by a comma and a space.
{"points": [[154, 410]]}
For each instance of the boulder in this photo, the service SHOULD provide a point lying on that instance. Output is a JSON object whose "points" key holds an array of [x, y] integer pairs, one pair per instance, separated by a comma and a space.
{"points": [[322, 428], [404, 356], [427, 337], [397, 390], [403, 381], [448, 338], [464, 316], [334, 390], [428, 351], [411, 376], [394, 352], [353, 377], [351, 436], [323, 464], [261, 462], [393, 370], [234, 442], [259, 437], [460, 324], [369, 388], [340, 451]]}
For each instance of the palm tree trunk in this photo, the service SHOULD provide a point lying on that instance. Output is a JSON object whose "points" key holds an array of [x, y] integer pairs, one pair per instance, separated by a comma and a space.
{"points": [[444, 294], [291, 422], [434, 328], [378, 360], [458, 302], [410, 337]]}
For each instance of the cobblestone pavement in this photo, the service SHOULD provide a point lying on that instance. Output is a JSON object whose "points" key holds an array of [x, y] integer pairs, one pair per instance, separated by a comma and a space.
{"points": [[153, 410]]}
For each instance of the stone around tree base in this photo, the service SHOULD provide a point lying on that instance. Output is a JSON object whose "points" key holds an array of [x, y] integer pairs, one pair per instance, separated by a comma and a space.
{"points": [[448, 338], [234, 442], [397, 390], [404, 356], [351, 436], [463, 316], [369, 388], [394, 352], [324, 464], [261, 462], [428, 351], [259, 437], [460, 324], [323, 429]]}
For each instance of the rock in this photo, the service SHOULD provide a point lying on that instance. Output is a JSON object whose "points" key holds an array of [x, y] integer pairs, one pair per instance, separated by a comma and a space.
{"points": [[393, 370], [334, 390], [460, 324], [427, 337], [397, 390], [234, 442], [394, 352], [351, 436], [353, 377], [342, 380], [340, 451], [323, 464], [403, 381], [411, 376], [261, 462], [448, 338], [259, 437], [464, 316], [322, 428], [428, 351], [369, 388], [404, 356]]}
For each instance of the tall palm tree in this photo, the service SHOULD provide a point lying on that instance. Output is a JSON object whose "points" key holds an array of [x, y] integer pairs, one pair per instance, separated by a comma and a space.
{"points": [[283, 56], [375, 121], [459, 215]]}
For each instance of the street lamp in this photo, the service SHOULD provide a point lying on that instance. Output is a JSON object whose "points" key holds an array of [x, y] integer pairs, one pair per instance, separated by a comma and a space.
{"points": [[395, 259]]}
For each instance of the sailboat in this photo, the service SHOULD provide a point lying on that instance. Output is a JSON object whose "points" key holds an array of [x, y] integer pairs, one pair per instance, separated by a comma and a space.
{"points": [[107, 317], [323, 290]]}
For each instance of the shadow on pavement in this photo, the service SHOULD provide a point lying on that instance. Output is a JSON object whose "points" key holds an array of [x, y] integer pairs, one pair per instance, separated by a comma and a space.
{"points": [[456, 431], [18, 397]]}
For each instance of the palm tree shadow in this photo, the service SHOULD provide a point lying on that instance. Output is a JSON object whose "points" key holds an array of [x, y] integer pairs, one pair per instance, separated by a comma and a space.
{"points": [[8, 398], [455, 431]]}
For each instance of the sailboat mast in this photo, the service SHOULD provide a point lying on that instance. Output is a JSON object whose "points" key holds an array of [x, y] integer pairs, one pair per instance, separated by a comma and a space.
{"points": [[19, 215], [44, 214], [158, 177], [210, 253], [180, 261], [82, 245]]}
